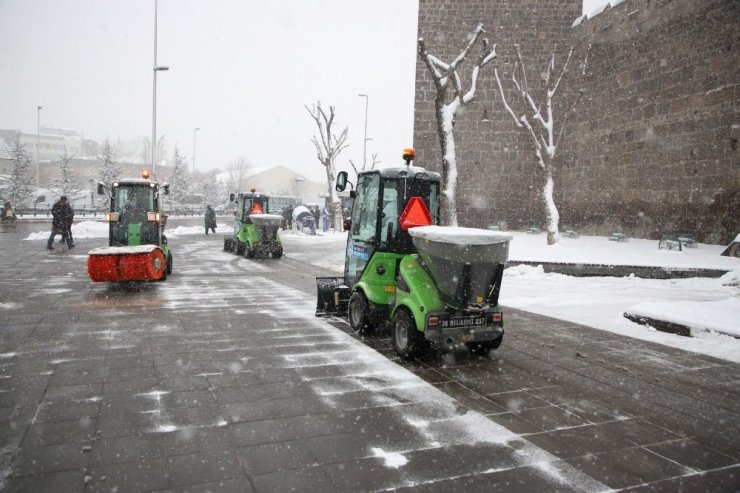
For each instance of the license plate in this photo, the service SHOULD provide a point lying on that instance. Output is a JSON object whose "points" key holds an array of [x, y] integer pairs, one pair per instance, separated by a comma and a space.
{"points": [[455, 322]]}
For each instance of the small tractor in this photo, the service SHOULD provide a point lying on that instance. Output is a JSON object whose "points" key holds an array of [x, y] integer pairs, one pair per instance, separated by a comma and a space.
{"points": [[436, 285], [255, 229], [137, 248]]}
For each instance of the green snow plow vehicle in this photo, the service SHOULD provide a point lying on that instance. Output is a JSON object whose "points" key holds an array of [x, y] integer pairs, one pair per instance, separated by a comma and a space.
{"points": [[437, 285], [255, 230]]}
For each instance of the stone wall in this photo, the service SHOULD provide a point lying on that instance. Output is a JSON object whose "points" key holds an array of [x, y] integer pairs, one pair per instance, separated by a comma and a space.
{"points": [[652, 146]]}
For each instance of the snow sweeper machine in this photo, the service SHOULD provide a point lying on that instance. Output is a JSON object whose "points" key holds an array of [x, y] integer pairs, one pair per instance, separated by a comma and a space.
{"points": [[435, 285], [137, 248], [255, 229]]}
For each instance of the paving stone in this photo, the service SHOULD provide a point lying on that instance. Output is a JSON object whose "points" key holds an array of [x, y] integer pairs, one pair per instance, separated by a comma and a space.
{"points": [[308, 480], [59, 432], [223, 486], [364, 475], [552, 417], [580, 440], [142, 475], [66, 410], [630, 467], [50, 458], [203, 467], [284, 429], [692, 455], [280, 456], [127, 449], [58, 482], [192, 440]]}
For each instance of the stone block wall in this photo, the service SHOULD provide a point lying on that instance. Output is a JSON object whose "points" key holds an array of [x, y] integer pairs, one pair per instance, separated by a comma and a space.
{"points": [[653, 145]]}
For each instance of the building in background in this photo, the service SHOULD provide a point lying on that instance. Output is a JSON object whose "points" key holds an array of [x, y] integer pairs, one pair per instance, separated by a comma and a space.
{"points": [[653, 147]]}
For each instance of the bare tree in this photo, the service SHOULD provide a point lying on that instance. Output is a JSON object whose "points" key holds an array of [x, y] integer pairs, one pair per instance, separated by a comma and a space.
{"points": [[446, 77], [541, 127], [238, 169], [328, 146], [66, 179], [374, 162]]}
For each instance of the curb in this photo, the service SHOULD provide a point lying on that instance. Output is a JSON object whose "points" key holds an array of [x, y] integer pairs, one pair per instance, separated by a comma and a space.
{"points": [[605, 270], [669, 327]]}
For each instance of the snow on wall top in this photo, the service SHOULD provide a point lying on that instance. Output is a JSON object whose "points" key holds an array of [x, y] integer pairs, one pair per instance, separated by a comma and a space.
{"points": [[602, 7]]}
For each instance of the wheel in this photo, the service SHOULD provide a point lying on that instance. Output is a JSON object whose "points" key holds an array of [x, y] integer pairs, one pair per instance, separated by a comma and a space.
{"points": [[227, 245], [483, 347], [359, 313], [407, 340], [169, 264], [248, 252], [240, 247]]}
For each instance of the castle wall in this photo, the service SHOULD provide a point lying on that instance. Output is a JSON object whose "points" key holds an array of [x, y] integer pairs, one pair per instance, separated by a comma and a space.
{"points": [[652, 146]]}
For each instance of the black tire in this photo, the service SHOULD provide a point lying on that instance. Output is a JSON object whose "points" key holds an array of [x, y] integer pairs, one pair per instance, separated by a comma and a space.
{"points": [[169, 264], [240, 247], [359, 313], [248, 252], [407, 340], [227, 245], [484, 347]]}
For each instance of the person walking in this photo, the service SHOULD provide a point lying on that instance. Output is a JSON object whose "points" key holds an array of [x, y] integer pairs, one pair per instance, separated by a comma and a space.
{"points": [[210, 219], [7, 214], [69, 216], [60, 213]]}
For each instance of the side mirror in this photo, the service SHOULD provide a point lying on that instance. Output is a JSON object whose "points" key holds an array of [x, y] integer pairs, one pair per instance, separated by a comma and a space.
{"points": [[166, 188], [347, 225], [101, 188], [231, 197], [341, 181]]}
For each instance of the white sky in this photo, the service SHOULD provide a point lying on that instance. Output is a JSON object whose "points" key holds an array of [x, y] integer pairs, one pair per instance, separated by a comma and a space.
{"points": [[240, 70]]}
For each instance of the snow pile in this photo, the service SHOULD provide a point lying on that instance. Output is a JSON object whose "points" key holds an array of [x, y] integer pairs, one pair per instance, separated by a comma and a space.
{"points": [[100, 229]]}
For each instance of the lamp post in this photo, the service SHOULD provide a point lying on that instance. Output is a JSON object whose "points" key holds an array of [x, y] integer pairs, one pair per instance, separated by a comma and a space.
{"points": [[364, 142], [194, 133], [38, 127], [155, 69]]}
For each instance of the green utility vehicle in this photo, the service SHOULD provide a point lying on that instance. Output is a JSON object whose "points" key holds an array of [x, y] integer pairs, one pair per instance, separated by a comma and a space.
{"points": [[437, 285], [137, 248], [255, 229]]}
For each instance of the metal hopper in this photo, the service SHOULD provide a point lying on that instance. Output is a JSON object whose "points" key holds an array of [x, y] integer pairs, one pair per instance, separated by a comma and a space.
{"points": [[267, 225], [465, 263]]}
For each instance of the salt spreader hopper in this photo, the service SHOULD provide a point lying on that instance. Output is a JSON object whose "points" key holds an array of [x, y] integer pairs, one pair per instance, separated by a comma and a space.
{"points": [[137, 249], [436, 285]]}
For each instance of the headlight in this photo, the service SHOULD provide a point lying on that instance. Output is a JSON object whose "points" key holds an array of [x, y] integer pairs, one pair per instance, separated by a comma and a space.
{"points": [[152, 216], [112, 217]]}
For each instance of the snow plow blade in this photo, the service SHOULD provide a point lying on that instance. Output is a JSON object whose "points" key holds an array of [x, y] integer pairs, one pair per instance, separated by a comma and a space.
{"points": [[332, 296], [121, 264]]}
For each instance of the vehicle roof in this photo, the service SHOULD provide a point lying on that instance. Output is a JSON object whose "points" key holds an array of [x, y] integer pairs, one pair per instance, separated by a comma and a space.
{"points": [[135, 181], [404, 171]]}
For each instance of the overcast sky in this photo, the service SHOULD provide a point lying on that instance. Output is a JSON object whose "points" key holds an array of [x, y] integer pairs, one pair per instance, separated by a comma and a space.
{"points": [[240, 70]]}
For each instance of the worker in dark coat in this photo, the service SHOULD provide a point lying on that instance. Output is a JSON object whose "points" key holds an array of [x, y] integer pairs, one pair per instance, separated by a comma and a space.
{"points": [[210, 219], [61, 213]]}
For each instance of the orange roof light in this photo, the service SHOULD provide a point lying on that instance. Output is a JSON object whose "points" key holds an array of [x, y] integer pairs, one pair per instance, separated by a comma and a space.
{"points": [[145, 174], [409, 153], [415, 214], [253, 189]]}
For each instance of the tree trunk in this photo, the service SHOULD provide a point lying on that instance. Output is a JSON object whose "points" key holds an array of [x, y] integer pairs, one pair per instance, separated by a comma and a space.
{"points": [[445, 132], [551, 210]]}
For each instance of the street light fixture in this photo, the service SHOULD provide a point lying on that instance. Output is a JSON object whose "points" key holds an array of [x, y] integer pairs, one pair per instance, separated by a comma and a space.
{"points": [[194, 132], [38, 127], [364, 142]]}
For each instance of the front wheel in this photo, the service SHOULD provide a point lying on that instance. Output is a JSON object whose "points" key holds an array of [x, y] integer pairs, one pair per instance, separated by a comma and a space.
{"points": [[359, 310], [169, 264], [407, 340], [240, 247]]}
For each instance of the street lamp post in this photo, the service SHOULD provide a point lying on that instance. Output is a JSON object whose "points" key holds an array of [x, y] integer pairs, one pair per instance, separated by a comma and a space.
{"points": [[194, 133], [154, 95], [364, 142], [38, 127]]}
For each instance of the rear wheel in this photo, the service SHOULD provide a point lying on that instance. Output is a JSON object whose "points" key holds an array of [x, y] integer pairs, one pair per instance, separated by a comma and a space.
{"points": [[240, 247], [359, 312], [407, 340], [169, 264]]}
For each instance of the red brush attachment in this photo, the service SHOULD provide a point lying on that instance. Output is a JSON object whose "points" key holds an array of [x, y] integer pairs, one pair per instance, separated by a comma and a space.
{"points": [[120, 267]]}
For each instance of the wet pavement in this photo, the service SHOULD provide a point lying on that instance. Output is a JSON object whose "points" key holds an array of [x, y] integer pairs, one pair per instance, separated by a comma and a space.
{"points": [[221, 379]]}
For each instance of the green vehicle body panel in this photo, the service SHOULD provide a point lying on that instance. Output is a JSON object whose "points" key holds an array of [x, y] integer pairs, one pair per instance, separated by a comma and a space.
{"points": [[134, 234], [373, 284], [422, 295]]}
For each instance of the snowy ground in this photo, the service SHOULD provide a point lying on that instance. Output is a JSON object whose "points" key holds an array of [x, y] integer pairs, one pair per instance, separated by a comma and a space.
{"points": [[707, 305]]}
